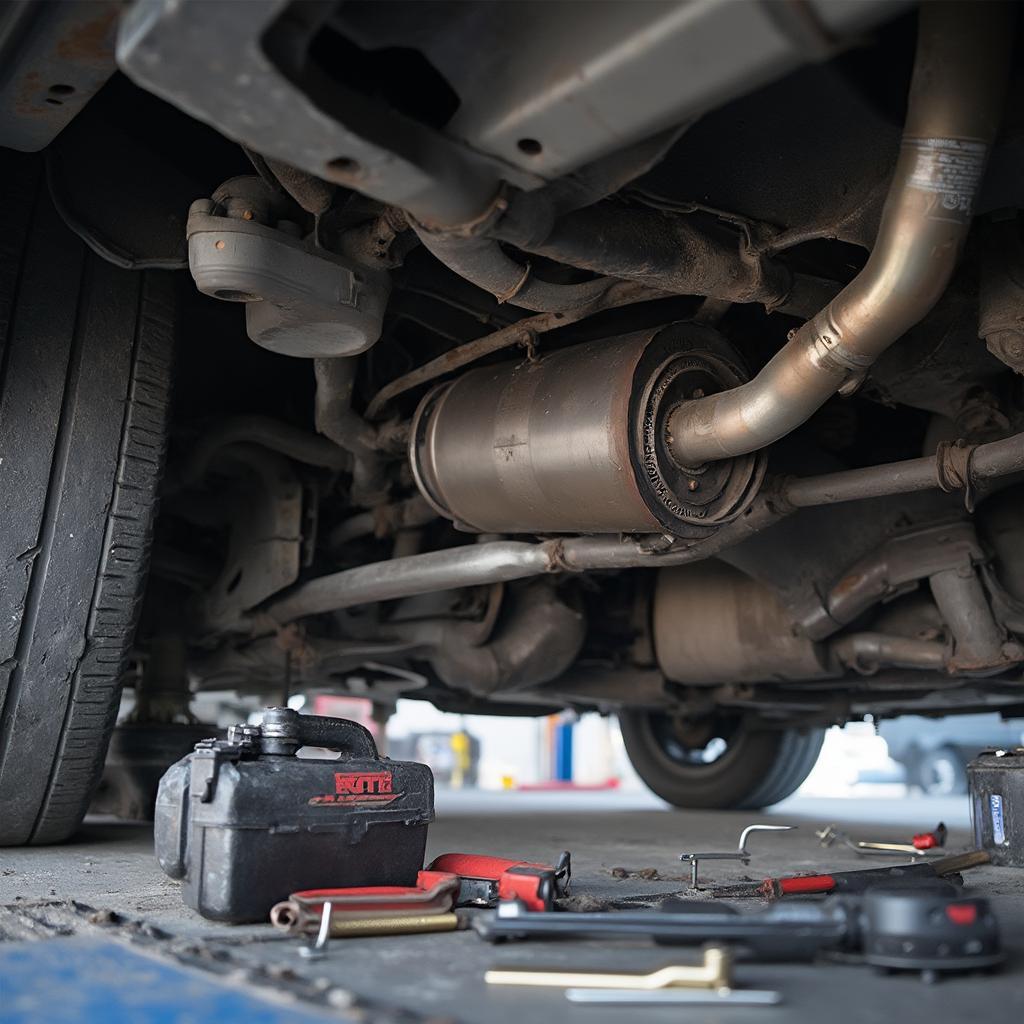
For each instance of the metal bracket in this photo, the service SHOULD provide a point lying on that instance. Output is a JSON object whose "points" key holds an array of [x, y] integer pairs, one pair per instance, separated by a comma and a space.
{"points": [[264, 541], [299, 300]]}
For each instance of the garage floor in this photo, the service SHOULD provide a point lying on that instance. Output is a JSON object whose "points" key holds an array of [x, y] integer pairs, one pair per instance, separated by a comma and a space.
{"points": [[53, 903]]}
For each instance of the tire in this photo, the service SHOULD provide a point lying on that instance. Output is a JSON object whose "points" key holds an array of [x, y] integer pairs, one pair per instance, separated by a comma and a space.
{"points": [[942, 773], [84, 375], [755, 769]]}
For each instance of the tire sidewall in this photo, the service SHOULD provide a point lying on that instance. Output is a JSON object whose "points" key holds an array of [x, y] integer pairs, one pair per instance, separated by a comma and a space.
{"points": [[728, 781]]}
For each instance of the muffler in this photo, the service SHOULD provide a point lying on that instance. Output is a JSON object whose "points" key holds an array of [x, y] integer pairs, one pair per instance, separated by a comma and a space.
{"points": [[578, 441]]}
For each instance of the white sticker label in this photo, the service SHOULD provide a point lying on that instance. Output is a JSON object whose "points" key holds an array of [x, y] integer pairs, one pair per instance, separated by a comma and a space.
{"points": [[995, 804], [950, 168]]}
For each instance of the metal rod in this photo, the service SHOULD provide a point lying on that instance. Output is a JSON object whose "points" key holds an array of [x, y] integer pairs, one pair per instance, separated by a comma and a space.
{"points": [[954, 109], [266, 433], [493, 562], [674, 997], [984, 462], [417, 924], [868, 652], [317, 949], [873, 482], [503, 561], [482, 261], [714, 972], [622, 293], [998, 458], [964, 606], [338, 421]]}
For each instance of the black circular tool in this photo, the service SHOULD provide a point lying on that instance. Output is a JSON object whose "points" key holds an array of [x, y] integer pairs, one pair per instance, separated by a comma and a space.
{"points": [[929, 927], [926, 926]]}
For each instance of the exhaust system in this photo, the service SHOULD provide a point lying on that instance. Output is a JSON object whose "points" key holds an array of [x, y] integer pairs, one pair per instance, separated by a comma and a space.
{"points": [[655, 433], [662, 431], [954, 109]]}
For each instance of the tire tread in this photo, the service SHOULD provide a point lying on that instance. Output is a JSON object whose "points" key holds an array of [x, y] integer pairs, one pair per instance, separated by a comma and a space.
{"points": [[74, 597]]}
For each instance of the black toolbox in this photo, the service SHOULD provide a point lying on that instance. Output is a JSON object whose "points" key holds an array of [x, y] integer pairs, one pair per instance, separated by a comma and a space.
{"points": [[245, 823]]}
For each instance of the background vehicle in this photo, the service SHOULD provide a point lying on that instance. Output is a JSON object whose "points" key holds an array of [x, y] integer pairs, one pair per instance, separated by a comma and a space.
{"points": [[935, 753], [656, 358]]}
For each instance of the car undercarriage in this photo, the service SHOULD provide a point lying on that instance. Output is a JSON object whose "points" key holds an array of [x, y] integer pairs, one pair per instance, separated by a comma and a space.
{"points": [[661, 359]]}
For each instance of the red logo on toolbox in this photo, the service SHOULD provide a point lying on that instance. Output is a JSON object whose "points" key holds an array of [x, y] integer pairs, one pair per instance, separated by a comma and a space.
{"points": [[359, 788]]}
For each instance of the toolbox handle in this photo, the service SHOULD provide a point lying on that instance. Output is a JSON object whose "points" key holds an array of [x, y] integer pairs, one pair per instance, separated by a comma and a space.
{"points": [[283, 731]]}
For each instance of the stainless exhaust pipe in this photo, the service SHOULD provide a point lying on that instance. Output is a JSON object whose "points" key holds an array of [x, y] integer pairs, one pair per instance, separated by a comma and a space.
{"points": [[506, 560], [954, 111]]}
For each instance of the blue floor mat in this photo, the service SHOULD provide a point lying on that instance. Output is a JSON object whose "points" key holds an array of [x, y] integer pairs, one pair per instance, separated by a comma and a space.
{"points": [[60, 981]]}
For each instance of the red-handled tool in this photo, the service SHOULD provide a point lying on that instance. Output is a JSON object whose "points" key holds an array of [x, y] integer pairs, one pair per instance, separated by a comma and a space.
{"points": [[930, 840], [854, 881], [433, 893], [486, 880]]}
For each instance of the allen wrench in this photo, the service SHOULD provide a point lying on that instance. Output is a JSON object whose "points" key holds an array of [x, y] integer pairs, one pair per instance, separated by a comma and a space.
{"points": [[741, 853]]}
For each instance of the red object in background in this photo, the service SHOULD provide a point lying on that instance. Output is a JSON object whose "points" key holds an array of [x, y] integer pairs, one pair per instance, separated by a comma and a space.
{"points": [[355, 709], [930, 840], [554, 786]]}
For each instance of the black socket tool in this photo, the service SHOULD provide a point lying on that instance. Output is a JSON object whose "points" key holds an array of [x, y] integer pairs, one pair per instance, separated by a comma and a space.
{"points": [[930, 927]]}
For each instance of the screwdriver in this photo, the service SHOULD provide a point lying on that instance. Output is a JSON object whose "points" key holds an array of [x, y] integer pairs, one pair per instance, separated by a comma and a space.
{"points": [[853, 881]]}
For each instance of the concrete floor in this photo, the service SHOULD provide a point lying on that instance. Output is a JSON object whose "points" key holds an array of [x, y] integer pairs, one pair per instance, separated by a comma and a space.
{"points": [[111, 867]]}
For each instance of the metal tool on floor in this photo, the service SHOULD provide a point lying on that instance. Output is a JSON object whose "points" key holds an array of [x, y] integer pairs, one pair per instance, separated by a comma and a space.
{"points": [[741, 853], [948, 868], [674, 997], [927, 928], [995, 781], [925, 844], [707, 982], [714, 972], [421, 924], [486, 880], [434, 893], [331, 926], [316, 950]]}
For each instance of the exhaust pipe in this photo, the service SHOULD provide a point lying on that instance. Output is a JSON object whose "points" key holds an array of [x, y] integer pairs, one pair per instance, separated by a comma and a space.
{"points": [[500, 561], [954, 111]]}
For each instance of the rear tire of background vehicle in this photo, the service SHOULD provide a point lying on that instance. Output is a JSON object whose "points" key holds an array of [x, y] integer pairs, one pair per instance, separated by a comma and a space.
{"points": [[942, 772], [84, 373], [724, 764]]}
